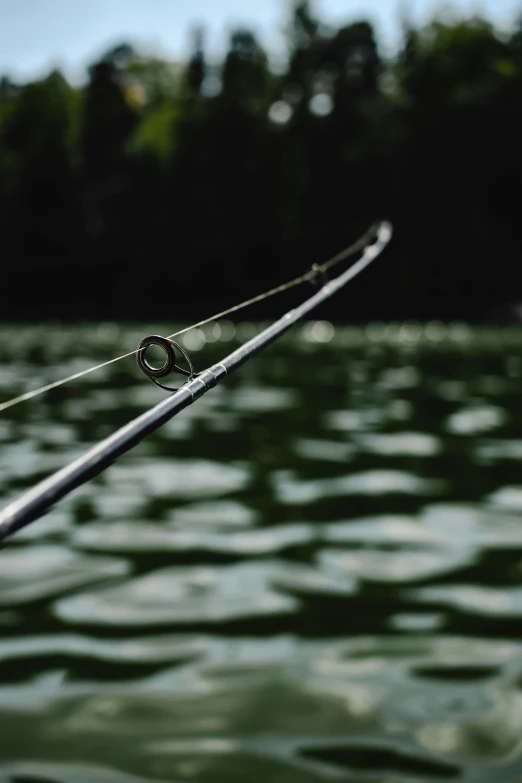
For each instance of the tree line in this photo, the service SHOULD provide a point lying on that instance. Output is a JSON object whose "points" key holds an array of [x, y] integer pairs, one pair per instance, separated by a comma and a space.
{"points": [[165, 190]]}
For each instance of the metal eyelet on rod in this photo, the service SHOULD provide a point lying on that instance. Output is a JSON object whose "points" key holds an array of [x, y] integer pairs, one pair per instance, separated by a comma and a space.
{"points": [[169, 366]]}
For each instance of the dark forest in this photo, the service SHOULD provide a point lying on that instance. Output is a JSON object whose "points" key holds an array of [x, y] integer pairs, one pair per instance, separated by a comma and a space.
{"points": [[166, 190]]}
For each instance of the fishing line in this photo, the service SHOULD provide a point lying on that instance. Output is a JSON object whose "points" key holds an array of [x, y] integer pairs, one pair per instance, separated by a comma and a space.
{"points": [[316, 271], [35, 392], [37, 500]]}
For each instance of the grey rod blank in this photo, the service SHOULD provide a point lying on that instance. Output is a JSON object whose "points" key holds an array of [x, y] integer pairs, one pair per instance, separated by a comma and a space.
{"points": [[36, 501]]}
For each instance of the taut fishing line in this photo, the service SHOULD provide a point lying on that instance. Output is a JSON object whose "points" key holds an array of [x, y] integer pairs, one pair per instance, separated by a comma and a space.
{"points": [[36, 501], [316, 271]]}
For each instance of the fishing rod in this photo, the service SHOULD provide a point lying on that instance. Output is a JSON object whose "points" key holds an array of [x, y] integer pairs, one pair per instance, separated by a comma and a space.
{"points": [[36, 501]]}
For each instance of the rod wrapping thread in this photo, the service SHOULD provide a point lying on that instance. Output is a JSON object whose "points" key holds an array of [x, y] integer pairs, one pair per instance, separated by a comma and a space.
{"points": [[36, 501]]}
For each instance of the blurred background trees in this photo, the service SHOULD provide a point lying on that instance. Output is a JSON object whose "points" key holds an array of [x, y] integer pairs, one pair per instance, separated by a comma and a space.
{"points": [[163, 189]]}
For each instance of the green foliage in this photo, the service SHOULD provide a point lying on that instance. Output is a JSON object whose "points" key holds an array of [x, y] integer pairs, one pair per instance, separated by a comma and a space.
{"points": [[223, 167], [463, 63], [154, 134], [37, 148]]}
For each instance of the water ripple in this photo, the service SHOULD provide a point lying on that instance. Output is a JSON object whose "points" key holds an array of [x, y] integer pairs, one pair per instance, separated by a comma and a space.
{"points": [[181, 595], [41, 572], [288, 581]]}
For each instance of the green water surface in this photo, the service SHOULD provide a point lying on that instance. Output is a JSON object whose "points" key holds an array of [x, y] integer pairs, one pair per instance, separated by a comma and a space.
{"points": [[312, 574]]}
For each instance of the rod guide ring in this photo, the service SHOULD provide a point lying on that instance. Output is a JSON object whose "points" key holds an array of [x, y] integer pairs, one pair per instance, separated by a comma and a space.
{"points": [[169, 347]]}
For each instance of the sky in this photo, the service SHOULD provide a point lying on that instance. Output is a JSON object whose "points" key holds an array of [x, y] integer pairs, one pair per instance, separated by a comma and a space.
{"points": [[36, 35]]}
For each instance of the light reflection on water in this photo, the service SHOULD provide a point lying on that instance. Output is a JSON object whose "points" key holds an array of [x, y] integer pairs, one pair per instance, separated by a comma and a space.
{"points": [[314, 573]]}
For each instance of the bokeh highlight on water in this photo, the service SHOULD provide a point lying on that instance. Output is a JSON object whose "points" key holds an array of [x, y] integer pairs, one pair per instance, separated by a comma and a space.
{"points": [[314, 573]]}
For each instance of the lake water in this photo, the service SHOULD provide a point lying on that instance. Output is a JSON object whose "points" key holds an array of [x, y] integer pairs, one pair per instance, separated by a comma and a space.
{"points": [[312, 574]]}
